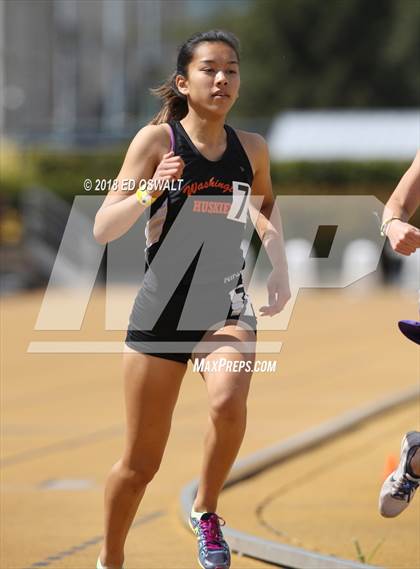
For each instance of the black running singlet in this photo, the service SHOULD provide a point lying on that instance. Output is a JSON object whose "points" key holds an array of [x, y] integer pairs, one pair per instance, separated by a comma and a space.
{"points": [[196, 227]]}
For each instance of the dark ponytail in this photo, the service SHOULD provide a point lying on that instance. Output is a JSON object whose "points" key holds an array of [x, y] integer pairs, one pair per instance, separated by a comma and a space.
{"points": [[175, 104]]}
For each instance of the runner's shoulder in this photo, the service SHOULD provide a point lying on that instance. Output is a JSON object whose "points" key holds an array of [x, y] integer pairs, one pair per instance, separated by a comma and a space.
{"points": [[254, 144], [153, 139]]}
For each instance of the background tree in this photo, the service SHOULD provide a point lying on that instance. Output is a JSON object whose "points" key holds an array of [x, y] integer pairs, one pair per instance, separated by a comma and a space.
{"points": [[328, 54]]}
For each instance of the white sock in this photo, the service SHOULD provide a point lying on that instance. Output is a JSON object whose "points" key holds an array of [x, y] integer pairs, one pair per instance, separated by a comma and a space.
{"points": [[195, 514], [99, 564]]}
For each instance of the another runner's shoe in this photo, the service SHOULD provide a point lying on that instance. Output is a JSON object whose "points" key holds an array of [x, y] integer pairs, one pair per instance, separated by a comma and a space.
{"points": [[400, 486], [213, 551], [410, 329]]}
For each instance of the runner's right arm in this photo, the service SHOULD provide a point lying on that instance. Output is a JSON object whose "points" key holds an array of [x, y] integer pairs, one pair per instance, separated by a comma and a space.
{"points": [[147, 158]]}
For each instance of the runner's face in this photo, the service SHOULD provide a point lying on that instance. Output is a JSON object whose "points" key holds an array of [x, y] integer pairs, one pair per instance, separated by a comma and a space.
{"points": [[213, 78]]}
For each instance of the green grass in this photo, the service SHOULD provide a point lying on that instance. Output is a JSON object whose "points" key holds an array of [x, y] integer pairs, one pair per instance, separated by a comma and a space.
{"points": [[360, 554]]}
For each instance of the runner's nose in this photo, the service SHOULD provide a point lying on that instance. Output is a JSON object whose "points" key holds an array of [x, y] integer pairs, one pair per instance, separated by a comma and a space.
{"points": [[221, 78]]}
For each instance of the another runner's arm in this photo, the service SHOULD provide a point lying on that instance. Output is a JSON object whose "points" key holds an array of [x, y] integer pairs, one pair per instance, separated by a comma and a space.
{"points": [[405, 199], [145, 159]]}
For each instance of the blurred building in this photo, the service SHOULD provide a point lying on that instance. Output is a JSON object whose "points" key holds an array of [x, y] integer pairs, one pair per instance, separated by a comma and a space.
{"points": [[70, 65], [345, 135]]}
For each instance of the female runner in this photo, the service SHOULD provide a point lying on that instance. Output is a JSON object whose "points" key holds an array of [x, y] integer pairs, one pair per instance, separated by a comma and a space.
{"points": [[193, 271]]}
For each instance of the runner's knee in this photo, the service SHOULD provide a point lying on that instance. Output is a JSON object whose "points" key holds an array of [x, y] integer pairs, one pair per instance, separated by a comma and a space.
{"points": [[228, 408], [137, 473]]}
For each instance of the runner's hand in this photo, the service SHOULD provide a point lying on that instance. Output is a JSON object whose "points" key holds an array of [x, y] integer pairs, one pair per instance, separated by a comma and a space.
{"points": [[169, 168], [278, 293], [403, 237]]}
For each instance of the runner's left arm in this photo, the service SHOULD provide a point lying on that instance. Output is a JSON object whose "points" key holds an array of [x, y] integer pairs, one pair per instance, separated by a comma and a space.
{"points": [[266, 218]]}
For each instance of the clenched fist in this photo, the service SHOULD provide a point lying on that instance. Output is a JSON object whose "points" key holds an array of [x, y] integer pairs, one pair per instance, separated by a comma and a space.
{"points": [[403, 237]]}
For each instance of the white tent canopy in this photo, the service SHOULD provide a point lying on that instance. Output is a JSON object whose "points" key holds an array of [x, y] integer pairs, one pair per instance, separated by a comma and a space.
{"points": [[345, 135]]}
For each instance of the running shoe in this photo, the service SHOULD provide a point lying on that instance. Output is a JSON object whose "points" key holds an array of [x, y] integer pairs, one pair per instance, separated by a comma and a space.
{"points": [[400, 486], [213, 551]]}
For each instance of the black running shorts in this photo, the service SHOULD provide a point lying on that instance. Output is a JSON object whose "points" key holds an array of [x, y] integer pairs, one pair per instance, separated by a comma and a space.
{"points": [[164, 340]]}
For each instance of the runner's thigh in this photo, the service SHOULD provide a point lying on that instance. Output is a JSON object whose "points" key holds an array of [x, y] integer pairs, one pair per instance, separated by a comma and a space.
{"points": [[151, 386]]}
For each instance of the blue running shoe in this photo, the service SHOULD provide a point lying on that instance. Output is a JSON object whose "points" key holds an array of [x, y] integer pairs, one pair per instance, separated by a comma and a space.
{"points": [[213, 551]]}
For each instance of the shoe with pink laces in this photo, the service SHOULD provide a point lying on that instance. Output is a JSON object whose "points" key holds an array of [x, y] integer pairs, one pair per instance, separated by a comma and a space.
{"points": [[213, 551]]}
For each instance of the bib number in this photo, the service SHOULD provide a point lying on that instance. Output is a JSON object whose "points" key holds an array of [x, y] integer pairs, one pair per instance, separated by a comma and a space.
{"points": [[240, 201]]}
